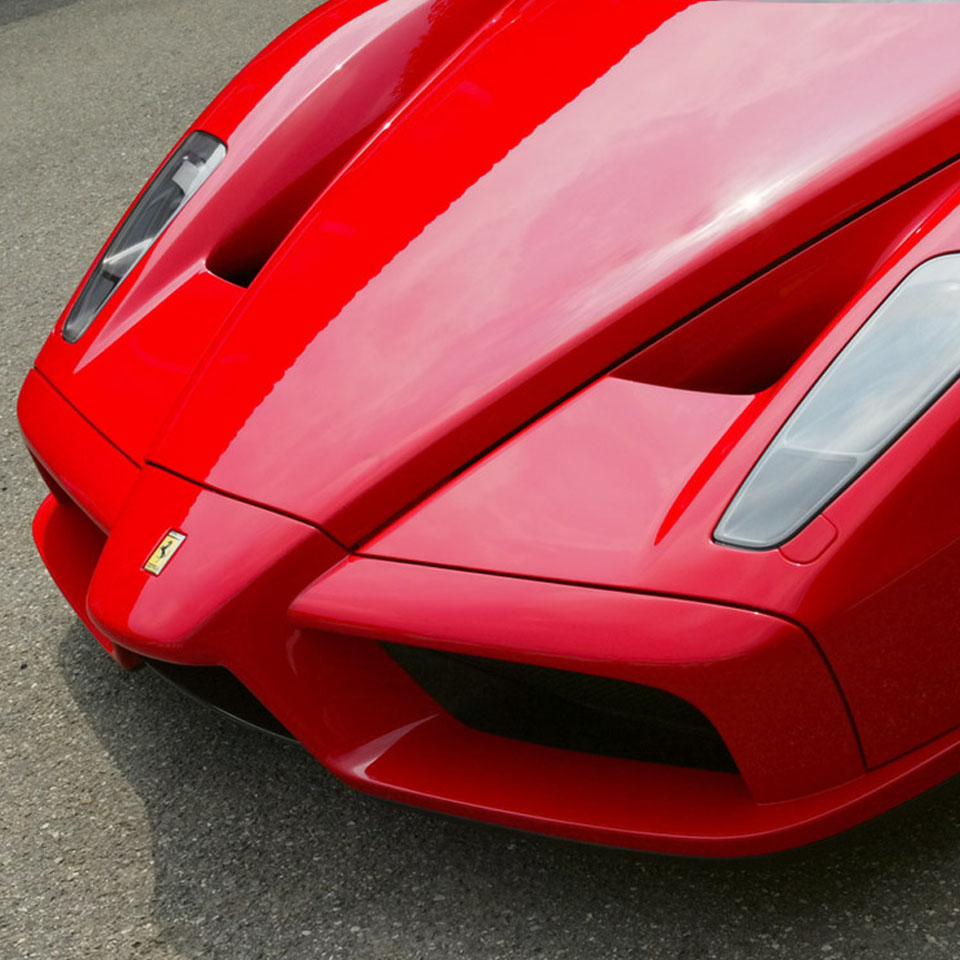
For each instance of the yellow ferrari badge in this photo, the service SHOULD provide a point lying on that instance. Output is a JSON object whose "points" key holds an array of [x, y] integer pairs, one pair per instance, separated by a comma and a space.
{"points": [[160, 557]]}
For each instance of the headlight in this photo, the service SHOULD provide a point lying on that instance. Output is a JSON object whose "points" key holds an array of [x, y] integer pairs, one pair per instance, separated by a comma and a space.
{"points": [[893, 368], [178, 179]]}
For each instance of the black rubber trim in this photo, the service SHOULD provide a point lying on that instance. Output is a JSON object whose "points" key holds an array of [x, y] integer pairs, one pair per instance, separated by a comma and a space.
{"points": [[218, 688]]}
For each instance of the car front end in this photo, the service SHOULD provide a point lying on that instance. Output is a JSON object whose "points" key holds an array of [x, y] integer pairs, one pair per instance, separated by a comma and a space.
{"points": [[566, 448]]}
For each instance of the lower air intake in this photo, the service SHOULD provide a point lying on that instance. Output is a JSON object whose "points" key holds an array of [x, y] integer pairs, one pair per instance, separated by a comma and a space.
{"points": [[570, 711]]}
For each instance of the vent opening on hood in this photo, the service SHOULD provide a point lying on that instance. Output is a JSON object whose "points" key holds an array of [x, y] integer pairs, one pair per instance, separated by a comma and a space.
{"points": [[749, 340], [567, 710], [240, 255]]}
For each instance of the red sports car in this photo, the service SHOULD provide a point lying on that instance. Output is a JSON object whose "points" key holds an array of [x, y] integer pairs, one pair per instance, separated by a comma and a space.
{"points": [[544, 411]]}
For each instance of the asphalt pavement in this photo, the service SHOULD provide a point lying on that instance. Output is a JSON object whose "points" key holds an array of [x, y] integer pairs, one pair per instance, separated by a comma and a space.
{"points": [[137, 824]]}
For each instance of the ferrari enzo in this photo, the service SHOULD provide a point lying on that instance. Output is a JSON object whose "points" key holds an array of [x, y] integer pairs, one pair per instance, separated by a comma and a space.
{"points": [[544, 411]]}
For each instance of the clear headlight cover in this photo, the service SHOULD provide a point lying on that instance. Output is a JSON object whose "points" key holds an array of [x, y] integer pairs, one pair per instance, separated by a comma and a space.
{"points": [[892, 369], [179, 178]]}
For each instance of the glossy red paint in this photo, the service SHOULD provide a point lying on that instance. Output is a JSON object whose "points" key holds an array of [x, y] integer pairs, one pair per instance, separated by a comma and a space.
{"points": [[89, 470], [292, 118], [361, 715], [468, 343], [70, 544], [229, 577], [632, 517], [732, 664], [518, 228]]}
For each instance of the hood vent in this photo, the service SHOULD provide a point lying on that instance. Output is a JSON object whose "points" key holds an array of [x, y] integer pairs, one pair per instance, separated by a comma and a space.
{"points": [[746, 342]]}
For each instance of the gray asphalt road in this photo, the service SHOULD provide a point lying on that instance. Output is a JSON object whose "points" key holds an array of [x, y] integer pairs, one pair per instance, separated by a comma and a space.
{"points": [[134, 824]]}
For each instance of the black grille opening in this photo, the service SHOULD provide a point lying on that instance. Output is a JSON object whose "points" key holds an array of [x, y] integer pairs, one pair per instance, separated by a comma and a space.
{"points": [[567, 710], [217, 687]]}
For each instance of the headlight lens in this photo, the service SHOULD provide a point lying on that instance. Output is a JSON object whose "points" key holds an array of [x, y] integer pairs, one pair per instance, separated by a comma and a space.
{"points": [[892, 369], [177, 181]]}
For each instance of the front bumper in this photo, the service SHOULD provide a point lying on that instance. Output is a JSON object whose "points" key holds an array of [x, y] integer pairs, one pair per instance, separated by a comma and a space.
{"points": [[301, 625]]}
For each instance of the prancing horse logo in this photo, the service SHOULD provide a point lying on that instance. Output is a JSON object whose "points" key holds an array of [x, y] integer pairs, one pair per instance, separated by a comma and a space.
{"points": [[160, 557]]}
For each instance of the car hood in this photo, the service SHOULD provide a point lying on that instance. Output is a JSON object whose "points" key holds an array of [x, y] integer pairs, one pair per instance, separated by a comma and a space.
{"points": [[575, 180]]}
